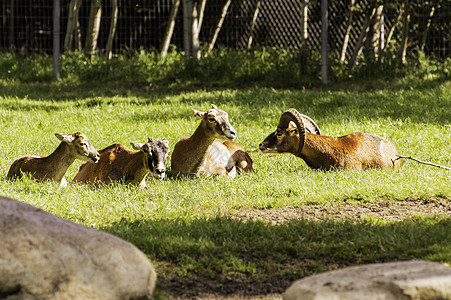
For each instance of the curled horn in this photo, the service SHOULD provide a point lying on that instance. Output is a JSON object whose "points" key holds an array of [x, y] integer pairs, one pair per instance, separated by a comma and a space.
{"points": [[310, 125], [296, 117]]}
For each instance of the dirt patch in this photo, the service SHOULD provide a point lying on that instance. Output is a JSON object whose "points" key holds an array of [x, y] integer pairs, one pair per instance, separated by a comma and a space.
{"points": [[387, 210], [204, 289]]}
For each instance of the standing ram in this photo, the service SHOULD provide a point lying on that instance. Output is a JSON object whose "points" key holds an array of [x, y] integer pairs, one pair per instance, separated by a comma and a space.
{"points": [[299, 135], [202, 155]]}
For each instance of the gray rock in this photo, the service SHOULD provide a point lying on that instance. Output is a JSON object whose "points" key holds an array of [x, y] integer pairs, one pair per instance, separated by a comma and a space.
{"points": [[45, 257], [386, 281]]}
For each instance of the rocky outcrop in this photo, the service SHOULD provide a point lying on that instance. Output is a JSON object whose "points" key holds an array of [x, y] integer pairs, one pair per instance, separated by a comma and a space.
{"points": [[45, 257], [386, 281]]}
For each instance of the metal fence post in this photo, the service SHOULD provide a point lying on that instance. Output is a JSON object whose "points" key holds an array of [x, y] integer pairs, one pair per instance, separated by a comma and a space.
{"points": [[324, 20], [11, 25], [56, 39]]}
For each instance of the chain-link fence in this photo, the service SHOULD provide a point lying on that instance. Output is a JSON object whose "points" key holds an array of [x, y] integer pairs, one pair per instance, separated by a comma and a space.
{"points": [[354, 25]]}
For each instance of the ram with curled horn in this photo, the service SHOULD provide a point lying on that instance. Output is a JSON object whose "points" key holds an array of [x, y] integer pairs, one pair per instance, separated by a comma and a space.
{"points": [[299, 135]]}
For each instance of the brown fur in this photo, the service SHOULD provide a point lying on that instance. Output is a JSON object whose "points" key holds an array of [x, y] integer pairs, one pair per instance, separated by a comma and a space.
{"points": [[117, 163], [202, 155], [352, 151], [240, 158], [53, 167]]}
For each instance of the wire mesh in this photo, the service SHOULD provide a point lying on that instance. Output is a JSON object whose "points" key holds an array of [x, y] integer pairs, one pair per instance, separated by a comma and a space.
{"points": [[26, 25]]}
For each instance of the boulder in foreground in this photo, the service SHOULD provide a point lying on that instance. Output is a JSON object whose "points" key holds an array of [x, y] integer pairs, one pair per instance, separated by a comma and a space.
{"points": [[397, 280], [43, 256]]}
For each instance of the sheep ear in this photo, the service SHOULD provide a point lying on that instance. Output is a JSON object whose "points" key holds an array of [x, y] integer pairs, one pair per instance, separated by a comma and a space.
{"points": [[64, 137], [214, 106], [198, 113], [137, 146]]}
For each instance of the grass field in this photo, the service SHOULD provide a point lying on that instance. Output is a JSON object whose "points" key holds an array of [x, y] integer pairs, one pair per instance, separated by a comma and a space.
{"points": [[186, 226]]}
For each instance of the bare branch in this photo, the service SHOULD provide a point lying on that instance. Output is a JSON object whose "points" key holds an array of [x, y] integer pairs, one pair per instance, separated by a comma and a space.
{"points": [[219, 26], [254, 22], [423, 162]]}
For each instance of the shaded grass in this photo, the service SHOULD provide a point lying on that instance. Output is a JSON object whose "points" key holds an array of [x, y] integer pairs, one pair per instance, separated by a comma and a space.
{"points": [[227, 249]]}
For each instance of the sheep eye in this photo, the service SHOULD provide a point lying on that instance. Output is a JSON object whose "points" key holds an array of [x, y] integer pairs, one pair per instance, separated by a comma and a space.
{"points": [[211, 120]]}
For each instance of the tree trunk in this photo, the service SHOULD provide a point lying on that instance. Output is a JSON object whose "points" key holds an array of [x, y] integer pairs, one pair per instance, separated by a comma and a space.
{"points": [[392, 29], [70, 26], [405, 32], [195, 29], [170, 29], [348, 31], [426, 30], [219, 26], [73, 26], [376, 36], [112, 32], [190, 30], [201, 14], [93, 26], [254, 21], [382, 35], [362, 38], [77, 29], [304, 23]]}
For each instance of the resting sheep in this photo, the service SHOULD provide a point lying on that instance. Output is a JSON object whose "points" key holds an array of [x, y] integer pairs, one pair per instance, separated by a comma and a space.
{"points": [[202, 155], [118, 163], [54, 167], [299, 135]]}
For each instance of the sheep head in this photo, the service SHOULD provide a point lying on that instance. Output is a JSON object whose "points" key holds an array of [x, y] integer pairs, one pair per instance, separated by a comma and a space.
{"points": [[156, 153], [80, 146], [290, 133], [216, 124]]}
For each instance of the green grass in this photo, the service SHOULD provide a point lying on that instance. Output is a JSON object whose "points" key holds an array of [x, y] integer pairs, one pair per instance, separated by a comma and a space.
{"points": [[184, 226]]}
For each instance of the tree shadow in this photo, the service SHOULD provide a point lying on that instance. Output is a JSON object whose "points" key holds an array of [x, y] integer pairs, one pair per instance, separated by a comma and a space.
{"points": [[358, 100], [226, 256]]}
